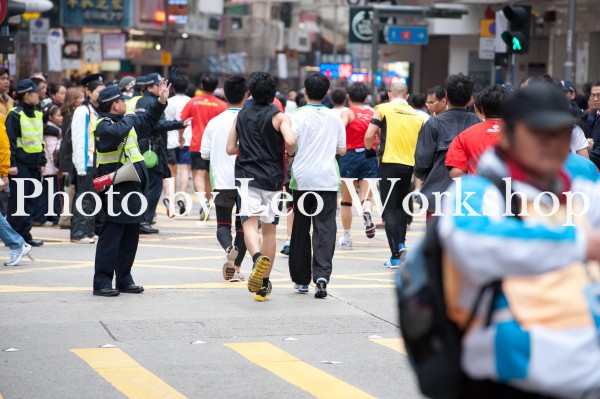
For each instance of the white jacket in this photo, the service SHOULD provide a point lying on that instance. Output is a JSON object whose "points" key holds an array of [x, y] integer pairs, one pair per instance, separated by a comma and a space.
{"points": [[83, 145]]}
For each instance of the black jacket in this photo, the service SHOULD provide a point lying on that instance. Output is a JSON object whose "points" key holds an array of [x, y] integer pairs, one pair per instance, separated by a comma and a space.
{"points": [[434, 140], [18, 157], [65, 164], [156, 135], [108, 137]]}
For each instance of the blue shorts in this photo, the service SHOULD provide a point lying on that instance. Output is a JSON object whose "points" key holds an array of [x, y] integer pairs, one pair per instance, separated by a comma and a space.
{"points": [[355, 165], [183, 156]]}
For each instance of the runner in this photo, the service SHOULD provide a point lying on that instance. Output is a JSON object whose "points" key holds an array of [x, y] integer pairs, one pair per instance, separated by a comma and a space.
{"points": [[262, 130], [355, 165], [222, 176]]}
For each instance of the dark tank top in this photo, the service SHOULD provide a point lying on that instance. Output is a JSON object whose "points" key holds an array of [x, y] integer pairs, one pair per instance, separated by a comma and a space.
{"points": [[261, 155]]}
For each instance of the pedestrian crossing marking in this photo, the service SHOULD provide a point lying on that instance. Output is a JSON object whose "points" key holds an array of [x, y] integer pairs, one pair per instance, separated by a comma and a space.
{"points": [[294, 371], [125, 374], [396, 344]]}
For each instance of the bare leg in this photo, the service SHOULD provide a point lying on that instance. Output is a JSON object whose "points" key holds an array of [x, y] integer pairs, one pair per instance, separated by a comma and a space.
{"points": [[184, 177], [346, 210], [198, 181], [268, 245]]}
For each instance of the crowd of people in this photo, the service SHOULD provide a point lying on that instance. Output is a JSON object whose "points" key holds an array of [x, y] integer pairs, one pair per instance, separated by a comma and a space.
{"points": [[306, 147]]}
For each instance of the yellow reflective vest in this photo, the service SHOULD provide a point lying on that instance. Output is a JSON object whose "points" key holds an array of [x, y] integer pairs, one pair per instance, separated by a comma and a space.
{"points": [[132, 150], [131, 104], [32, 132]]}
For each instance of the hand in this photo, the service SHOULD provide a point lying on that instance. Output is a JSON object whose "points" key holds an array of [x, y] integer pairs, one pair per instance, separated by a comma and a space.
{"points": [[13, 171], [187, 122], [42, 169], [163, 91], [5, 181]]}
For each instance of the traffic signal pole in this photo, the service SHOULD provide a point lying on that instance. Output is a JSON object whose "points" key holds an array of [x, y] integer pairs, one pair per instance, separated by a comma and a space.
{"points": [[569, 63]]}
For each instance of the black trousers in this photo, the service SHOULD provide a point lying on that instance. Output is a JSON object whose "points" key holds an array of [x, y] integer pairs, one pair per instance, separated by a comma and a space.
{"points": [[22, 224], [115, 253], [492, 390], [319, 264], [224, 222], [42, 203], [394, 214], [155, 187], [84, 226]]}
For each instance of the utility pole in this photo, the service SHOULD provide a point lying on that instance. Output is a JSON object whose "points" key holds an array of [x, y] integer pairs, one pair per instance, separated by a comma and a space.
{"points": [[569, 63], [167, 38]]}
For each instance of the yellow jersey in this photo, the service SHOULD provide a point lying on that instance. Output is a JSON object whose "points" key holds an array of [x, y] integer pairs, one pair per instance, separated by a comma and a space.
{"points": [[400, 131]]}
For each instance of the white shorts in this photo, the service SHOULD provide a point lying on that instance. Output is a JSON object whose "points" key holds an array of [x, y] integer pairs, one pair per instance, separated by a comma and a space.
{"points": [[260, 203]]}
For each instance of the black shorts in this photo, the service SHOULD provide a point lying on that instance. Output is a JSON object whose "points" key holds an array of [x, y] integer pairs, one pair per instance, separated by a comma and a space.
{"points": [[171, 156], [198, 163], [226, 198]]}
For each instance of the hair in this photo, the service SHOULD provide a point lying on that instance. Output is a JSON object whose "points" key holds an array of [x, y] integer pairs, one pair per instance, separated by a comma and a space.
{"points": [[338, 96], [209, 83], [384, 95], [438, 91], [358, 92], [49, 111], [94, 84], [4, 71], [180, 84], [491, 99], [596, 84], [235, 87], [105, 107], [316, 85], [477, 101], [300, 100], [419, 100], [262, 87], [55, 87], [459, 89], [72, 95], [548, 79]]}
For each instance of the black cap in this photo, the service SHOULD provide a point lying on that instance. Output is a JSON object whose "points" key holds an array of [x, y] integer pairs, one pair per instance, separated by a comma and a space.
{"points": [[92, 77], [27, 85], [540, 106], [153, 79], [568, 86], [110, 94], [140, 81], [127, 83]]}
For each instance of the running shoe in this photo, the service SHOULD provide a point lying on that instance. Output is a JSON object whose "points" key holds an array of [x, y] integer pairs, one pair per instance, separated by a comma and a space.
{"points": [[262, 294], [17, 254], [321, 288], [286, 248], [237, 277], [231, 254], [301, 288], [392, 263], [167, 205], [346, 243], [369, 225], [258, 271]]}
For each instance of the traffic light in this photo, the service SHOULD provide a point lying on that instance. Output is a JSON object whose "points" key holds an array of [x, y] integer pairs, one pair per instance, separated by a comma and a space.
{"points": [[517, 35]]}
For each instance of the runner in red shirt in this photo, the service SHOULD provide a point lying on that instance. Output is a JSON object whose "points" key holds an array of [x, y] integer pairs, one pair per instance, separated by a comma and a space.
{"points": [[465, 150], [202, 109], [355, 165]]}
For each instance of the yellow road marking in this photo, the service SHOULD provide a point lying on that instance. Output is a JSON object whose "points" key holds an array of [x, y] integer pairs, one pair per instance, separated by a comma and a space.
{"points": [[125, 374], [32, 288], [294, 371], [19, 271], [396, 344]]}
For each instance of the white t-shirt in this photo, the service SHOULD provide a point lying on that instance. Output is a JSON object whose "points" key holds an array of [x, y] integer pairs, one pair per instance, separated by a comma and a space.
{"points": [[578, 140], [173, 113], [319, 133], [290, 106], [339, 111], [214, 146]]}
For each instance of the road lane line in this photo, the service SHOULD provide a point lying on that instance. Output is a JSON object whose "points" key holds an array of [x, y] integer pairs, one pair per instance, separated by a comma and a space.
{"points": [[125, 374], [396, 344], [294, 371]]}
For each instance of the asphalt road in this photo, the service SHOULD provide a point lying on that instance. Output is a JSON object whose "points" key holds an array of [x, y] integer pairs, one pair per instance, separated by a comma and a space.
{"points": [[191, 334]]}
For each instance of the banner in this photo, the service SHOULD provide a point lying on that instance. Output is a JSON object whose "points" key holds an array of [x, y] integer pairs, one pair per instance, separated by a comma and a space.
{"points": [[54, 42], [92, 48], [96, 13]]}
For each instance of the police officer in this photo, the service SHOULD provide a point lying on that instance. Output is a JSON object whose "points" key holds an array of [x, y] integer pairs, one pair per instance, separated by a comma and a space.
{"points": [[156, 140], [115, 135], [25, 129], [138, 92]]}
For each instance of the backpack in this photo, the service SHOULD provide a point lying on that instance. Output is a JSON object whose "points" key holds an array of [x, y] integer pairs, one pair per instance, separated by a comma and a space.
{"points": [[432, 339]]}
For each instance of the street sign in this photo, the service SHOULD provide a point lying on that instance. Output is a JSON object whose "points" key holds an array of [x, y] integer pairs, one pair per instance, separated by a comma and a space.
{"points": [[487, 28], [487, 48], [165, 58], [38, 30], [361, 26], [355, 3], [407, 35]]}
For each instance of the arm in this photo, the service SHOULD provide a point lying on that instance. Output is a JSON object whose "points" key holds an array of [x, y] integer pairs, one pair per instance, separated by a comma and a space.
{"points": [[4, 149], [341, 140], [373, 129], [232, 141], [205, 145], [426, 149], [79, 126], [560, 245], [13, 129], [287, 132], [584, 153], [347, 117]]}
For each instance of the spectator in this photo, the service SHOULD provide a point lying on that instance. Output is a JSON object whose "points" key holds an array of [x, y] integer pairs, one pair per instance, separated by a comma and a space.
{"points": [[437, 102]]}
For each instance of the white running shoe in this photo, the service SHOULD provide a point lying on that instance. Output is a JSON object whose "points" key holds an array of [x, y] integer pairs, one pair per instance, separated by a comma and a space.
{"points": [[17, 254], [345, 243]]}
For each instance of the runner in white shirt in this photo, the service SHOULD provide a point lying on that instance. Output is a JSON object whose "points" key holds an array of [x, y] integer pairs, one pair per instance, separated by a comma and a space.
{"points": [[320, 135], [338, 99], [222, 176], [178, 143]]}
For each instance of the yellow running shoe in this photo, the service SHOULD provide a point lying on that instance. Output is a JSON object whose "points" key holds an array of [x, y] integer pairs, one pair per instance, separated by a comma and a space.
{"points": [[255, 281], [263, 293]]}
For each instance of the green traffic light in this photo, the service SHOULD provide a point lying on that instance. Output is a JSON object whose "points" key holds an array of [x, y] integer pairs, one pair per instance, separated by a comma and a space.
{"points": [[516, 45]]}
